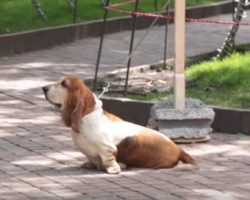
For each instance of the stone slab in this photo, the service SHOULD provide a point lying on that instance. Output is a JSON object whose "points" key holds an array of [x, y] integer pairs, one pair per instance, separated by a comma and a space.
{"points": [[192, 122]]}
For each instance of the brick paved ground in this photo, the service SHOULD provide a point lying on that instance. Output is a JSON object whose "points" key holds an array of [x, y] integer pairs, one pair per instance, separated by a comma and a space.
{"points": [[38, 160]]}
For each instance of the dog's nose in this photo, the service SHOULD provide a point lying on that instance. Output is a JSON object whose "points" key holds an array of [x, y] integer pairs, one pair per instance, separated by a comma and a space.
{"points": [[45, 89]]}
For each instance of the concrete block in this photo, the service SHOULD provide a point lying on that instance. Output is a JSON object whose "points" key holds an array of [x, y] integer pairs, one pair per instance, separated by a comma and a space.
{"points": [[192, 122]]}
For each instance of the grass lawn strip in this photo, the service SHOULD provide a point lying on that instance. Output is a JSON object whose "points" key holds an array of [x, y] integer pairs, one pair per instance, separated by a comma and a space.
{"points": [[19, 15], [220, 83], [223, 83]]}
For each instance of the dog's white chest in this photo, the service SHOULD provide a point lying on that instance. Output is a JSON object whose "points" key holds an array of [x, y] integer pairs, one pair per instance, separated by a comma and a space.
{"points": [[92, 136], [84, 144], [97, 131]]}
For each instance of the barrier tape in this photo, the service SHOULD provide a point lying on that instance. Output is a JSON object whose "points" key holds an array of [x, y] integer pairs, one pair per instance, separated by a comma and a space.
{"points": [[153, 15], [123, 3]]}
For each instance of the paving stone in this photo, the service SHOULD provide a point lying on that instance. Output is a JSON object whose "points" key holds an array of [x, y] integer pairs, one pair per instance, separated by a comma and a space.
{"points": [[50, 198]]}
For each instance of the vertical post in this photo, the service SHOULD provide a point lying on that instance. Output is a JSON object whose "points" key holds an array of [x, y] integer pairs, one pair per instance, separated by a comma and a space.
{"points": [[233, 17], [233, 10], [106, 3], [179, 78], [166, 39], [156, 4], [131, 48], [75, 11]]}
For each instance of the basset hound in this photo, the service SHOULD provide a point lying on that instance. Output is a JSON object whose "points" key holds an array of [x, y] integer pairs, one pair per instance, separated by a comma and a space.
{"points": [[106, 140]]}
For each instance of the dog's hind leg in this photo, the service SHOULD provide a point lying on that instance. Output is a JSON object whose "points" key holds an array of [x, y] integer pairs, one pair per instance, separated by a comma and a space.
{"points": [[122, 165], [88, 165], [92, 162]]}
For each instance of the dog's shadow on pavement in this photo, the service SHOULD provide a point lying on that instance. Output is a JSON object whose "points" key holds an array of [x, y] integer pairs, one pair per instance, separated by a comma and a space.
{"points": [[79, 170]]}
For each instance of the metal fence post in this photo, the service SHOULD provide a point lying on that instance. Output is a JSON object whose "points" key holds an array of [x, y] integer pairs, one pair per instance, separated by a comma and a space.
{"points": [[131, 47], [75, 11], [166, 38], [106, 3]]}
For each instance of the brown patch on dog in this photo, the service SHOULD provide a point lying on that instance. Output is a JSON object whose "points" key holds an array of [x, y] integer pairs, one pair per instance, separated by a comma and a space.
{"points": [[151, 150], [80, 101]]}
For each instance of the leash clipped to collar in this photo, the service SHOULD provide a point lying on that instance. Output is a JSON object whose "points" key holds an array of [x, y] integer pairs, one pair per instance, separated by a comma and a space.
{"points": [[104, 90]]}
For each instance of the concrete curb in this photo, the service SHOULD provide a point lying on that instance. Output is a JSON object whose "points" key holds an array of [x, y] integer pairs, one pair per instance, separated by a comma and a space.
{"points": [[231, 120], [48, 37], [226, 120]]}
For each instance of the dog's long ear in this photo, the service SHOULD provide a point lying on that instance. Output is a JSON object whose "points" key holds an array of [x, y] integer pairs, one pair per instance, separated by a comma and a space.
{"points": [[80, 102], [76, 115], [73, 110]]}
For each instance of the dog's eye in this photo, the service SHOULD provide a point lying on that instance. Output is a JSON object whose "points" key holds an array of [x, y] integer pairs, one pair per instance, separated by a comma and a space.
{"points": [[63, 83]]}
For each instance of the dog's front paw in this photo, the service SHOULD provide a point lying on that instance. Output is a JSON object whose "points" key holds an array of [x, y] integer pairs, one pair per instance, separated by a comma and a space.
{"points": [[113, 169], [88, 165]]}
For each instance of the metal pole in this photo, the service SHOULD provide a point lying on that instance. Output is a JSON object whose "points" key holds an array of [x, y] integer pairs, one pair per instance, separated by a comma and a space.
{"points": [[75, 11], [101, 44], [179, 77], [131, 47], [166, 39], [156, 4], [233, 10], [233, 13]]}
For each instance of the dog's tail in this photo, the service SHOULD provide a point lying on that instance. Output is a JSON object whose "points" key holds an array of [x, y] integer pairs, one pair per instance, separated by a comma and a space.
{"points": [[188, 159]]}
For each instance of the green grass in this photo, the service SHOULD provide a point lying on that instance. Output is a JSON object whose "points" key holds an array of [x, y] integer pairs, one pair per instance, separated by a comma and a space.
{"points": [[220, 83], [152, 96], [223, 83], [18, 15]]}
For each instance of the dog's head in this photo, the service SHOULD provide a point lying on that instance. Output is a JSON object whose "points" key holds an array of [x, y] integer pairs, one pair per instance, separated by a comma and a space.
{"points": [[72, 98]]}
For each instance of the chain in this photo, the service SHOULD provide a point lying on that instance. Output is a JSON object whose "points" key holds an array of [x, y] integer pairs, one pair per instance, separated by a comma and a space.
{"points": [[104, 90]]}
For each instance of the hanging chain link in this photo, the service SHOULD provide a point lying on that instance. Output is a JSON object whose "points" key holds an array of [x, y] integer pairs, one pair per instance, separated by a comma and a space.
{"points": [[104, 90]]}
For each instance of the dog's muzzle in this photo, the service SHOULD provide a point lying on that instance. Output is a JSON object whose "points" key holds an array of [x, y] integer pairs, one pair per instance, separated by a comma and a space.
{"points": [[45, 89]]}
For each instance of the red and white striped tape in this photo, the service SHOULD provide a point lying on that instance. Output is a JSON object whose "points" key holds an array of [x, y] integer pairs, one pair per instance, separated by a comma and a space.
{"points": [[160, 16]]}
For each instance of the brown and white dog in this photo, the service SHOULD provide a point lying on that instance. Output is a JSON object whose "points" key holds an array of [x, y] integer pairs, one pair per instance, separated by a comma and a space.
{"points": [[105, 139]]}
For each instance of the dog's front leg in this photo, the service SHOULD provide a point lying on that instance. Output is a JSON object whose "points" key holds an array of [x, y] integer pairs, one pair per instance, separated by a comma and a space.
{"points": [[108, 157]]}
